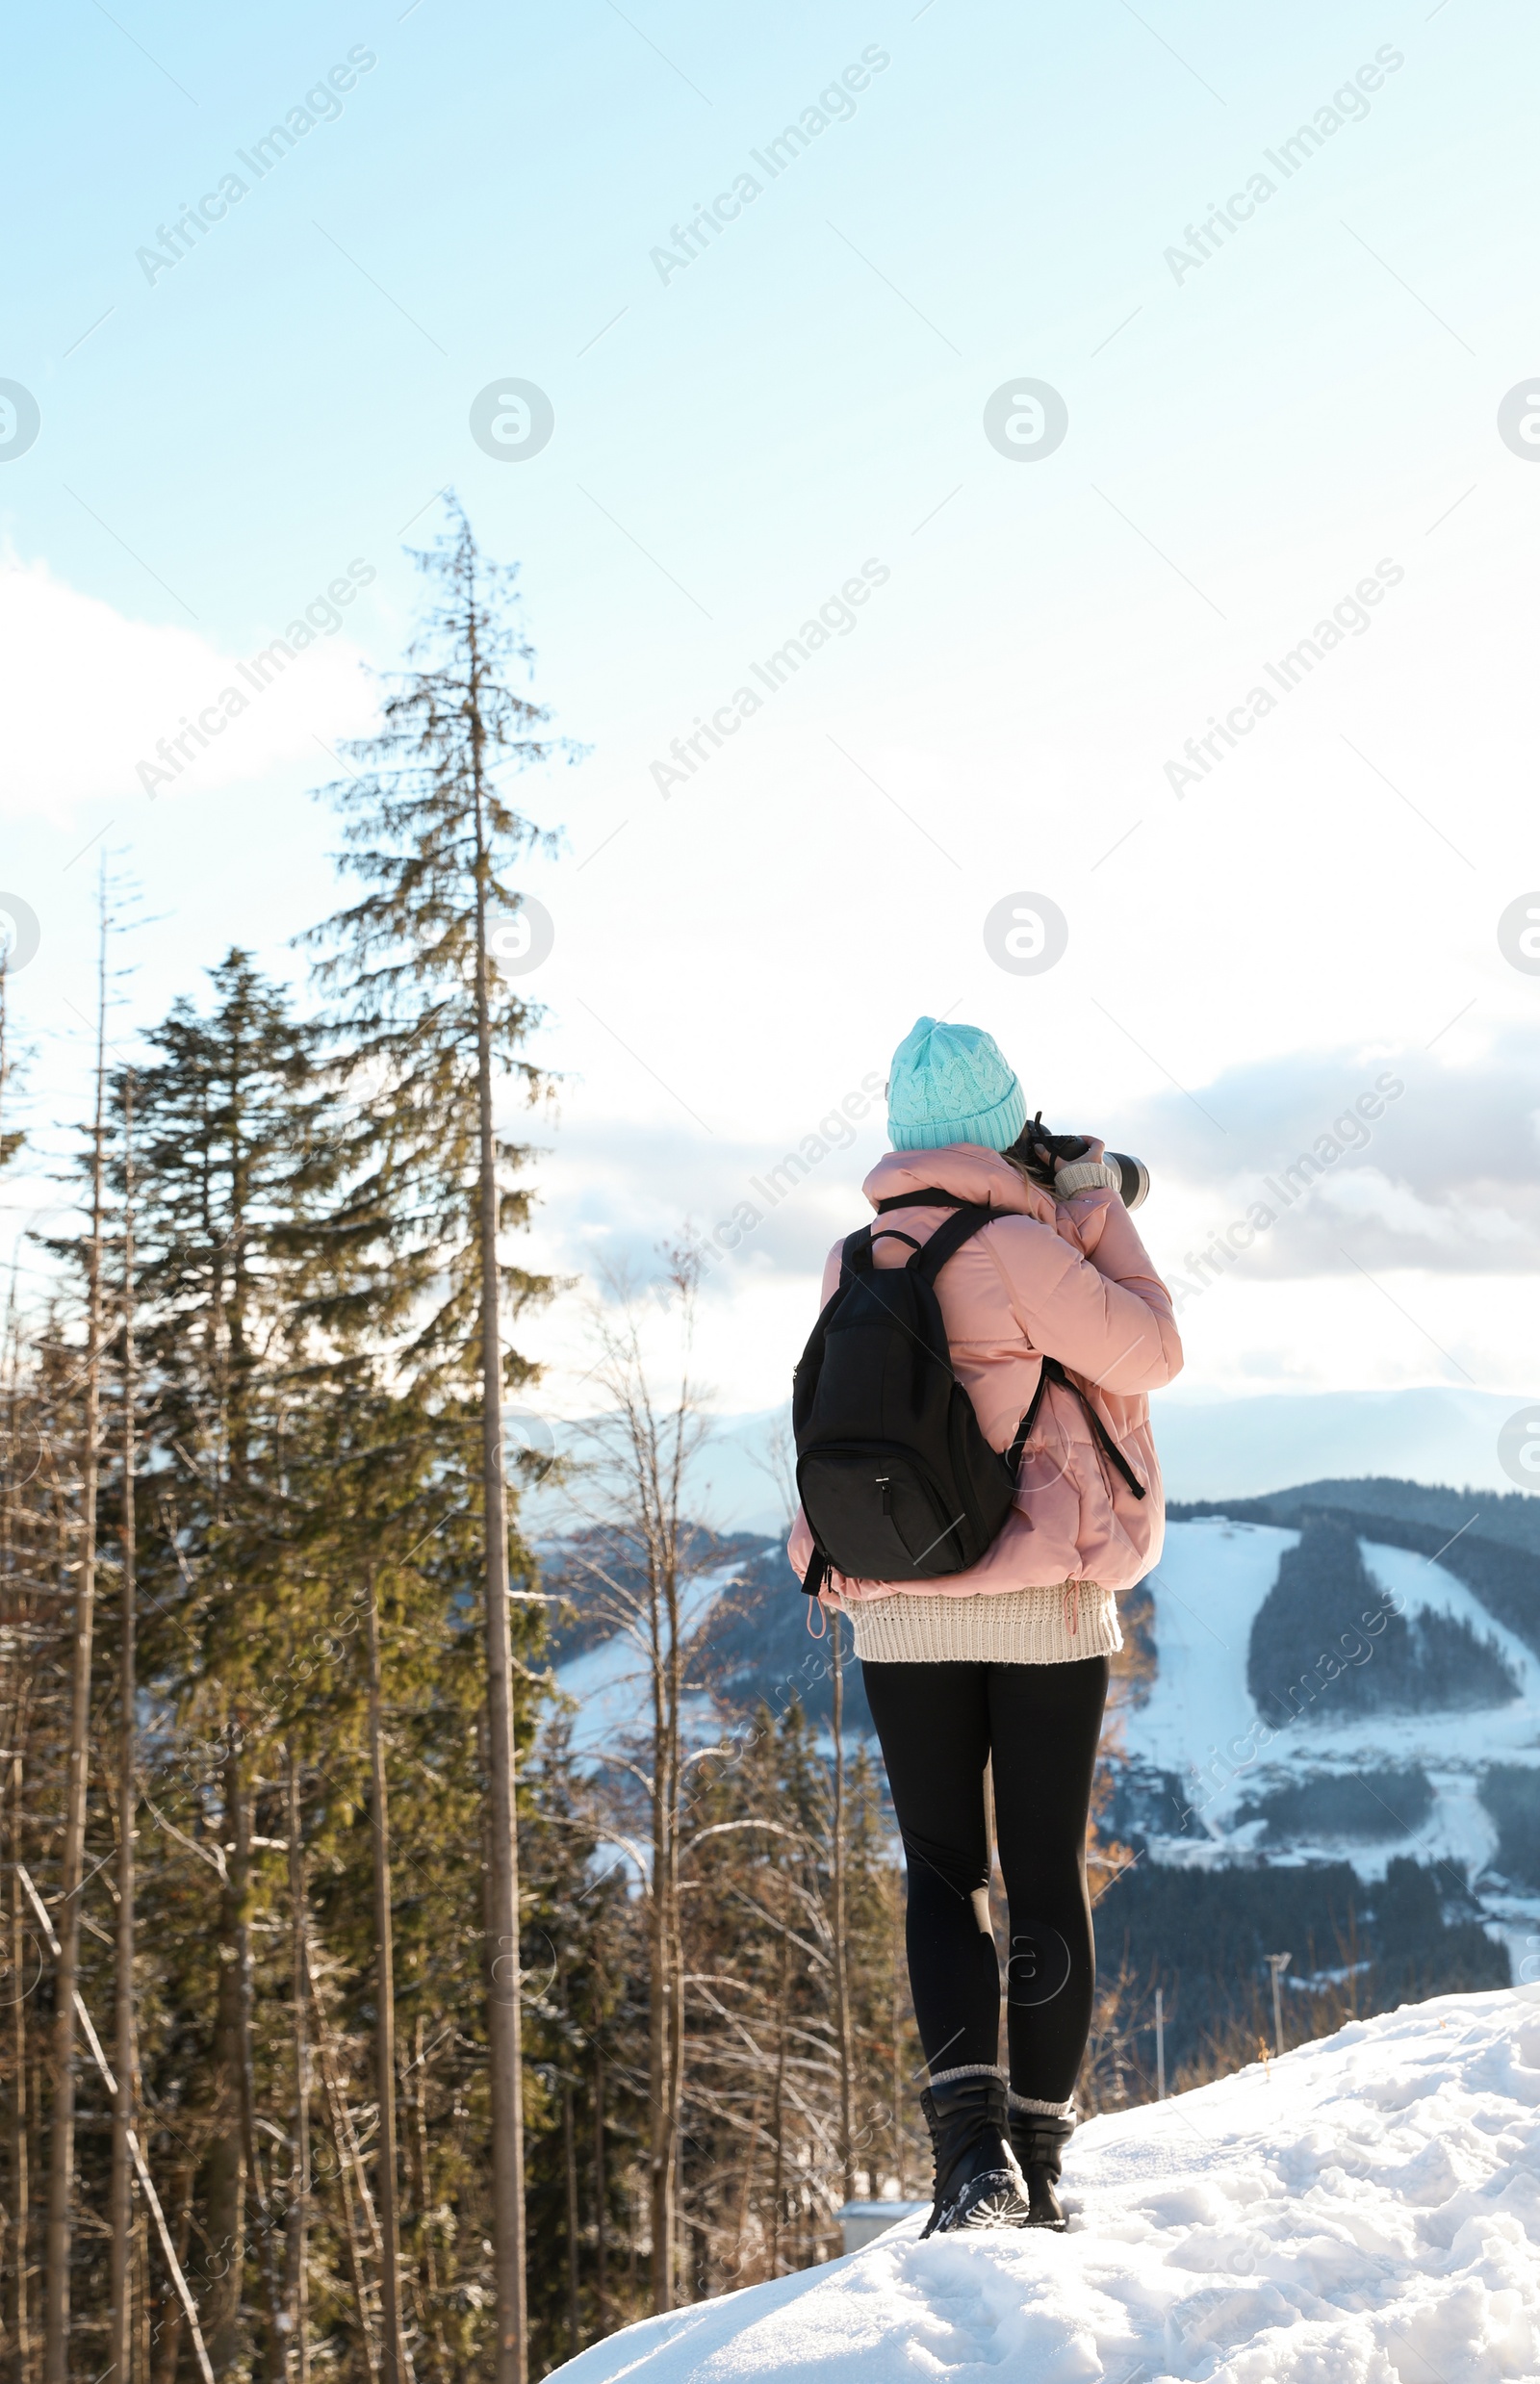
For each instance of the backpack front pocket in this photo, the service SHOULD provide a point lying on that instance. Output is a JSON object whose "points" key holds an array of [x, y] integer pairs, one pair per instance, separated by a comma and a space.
{"points": [[880, 1515]]}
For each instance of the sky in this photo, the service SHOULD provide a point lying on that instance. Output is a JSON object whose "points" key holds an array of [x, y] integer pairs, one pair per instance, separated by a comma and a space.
{"points": [[1065, 369]]}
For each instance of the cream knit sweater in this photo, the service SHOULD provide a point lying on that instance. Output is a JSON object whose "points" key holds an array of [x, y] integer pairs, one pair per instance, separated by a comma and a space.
{"points": [[1056, 1625]]}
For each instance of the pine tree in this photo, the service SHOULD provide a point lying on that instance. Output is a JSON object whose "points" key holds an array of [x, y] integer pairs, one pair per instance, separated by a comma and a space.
{"points": [[126, 2046], [431, 1029], [242, 1149]]}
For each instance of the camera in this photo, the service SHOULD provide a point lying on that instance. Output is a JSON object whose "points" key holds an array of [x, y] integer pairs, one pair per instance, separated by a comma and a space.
{"points": [[1035, 1149]]}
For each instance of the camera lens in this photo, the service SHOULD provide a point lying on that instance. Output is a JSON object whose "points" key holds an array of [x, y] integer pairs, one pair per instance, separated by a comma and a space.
{"points": [[1135, 1177]]}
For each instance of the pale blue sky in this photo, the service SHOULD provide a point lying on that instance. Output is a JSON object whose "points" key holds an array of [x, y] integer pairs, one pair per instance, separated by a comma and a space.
{"points": [[1245, 446]]}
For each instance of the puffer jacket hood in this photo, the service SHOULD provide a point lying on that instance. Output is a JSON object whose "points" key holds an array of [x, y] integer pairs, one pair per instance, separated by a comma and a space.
{"points": [[1066, 1279]]}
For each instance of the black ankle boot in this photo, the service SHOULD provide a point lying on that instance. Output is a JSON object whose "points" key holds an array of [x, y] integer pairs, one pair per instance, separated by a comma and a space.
{"points": [[976, 2180], [1038, 2140]]}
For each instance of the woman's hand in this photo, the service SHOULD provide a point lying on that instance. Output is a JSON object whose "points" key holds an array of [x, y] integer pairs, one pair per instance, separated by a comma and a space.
{"points": [[1091, 1171], [1093, 1150]]}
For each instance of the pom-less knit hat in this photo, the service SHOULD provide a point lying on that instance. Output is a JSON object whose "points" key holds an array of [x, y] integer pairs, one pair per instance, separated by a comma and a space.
{"points": [[952, 1084]]}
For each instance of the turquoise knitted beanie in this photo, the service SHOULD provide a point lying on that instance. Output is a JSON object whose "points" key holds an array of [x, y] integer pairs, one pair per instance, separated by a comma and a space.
{"points": [[952, 1084]]}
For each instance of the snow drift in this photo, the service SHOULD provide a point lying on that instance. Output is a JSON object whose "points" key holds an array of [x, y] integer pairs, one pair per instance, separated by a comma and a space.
{"points": [[1365, 2210]]}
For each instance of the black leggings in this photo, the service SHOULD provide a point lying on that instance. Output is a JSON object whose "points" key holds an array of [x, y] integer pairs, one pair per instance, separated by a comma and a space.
{"points": [[939, 1724]]}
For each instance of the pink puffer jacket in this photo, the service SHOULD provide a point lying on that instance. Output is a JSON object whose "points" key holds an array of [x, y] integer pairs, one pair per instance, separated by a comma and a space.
{"points": [[1068, 1280]]}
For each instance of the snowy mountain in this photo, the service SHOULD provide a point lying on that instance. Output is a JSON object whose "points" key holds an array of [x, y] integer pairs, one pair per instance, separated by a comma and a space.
{"points": [[1336, 1751], [1364, 2211]]}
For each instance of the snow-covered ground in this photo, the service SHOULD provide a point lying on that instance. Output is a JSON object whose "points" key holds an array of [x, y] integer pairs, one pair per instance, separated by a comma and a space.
{"points": [[1200, 1722], [1365, 2211]]}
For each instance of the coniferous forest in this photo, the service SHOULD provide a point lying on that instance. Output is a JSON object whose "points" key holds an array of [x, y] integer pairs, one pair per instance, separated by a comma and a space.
{"points": [[351, 2026]]}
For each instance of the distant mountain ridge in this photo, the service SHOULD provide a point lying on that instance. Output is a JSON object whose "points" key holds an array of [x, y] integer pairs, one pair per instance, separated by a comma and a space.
{"points": [[1511, 1515], [1242, 1445]]}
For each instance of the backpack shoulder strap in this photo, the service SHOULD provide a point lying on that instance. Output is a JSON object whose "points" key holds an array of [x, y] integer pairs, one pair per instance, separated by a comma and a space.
{"points": [[949, 1237], [1053, 1372], [856, 1254], [929, 1198]]}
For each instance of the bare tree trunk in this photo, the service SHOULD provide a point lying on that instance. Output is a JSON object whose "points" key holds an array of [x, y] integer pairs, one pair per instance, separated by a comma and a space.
{"points": [[126, 2055], [649, 1451], [20, 2168], [661, 2200], [332, 2078], [238, 1822], [297, 2249], [224, 2187], [751, 2146], [20, 2116], [350, 2172], [428, 2281], [393, 2349], [840, 1934], [676, 2057], [600, 2171], [504, 1966], [167, 2337], [62, 2137], [666, 1968], [568, 2156], [666, 2017], [778, 2111], [143, 2338]]}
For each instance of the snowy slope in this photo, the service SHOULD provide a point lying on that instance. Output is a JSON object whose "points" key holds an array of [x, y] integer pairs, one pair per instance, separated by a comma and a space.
{"points": [[1212, 1579], [1365, 2211], [1200, 1722]]}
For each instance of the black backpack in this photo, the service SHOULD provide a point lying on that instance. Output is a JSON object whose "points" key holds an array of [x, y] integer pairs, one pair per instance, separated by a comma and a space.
{"points": [[897, 1480]]}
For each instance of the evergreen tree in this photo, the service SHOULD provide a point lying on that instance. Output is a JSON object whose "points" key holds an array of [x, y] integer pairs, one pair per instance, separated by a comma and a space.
{"points": [[240, 1148], [429, 1029]]}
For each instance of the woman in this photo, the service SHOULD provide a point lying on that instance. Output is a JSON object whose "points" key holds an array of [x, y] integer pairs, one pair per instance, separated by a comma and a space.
{"points": [[1006, 1665]]}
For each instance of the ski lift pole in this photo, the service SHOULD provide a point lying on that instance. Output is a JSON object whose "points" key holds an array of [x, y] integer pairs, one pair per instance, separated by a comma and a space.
{"points": [[135, 2155], [1277, 1963], [1160, 2046]]}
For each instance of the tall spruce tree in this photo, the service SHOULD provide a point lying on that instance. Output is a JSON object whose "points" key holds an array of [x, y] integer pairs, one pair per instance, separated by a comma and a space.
{"points": [[241, 1149], [430, 1030]]}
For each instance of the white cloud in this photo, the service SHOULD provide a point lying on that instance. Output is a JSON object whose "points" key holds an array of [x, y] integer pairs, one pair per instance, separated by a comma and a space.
{"points": [[1442, 1177], [87, 696]]}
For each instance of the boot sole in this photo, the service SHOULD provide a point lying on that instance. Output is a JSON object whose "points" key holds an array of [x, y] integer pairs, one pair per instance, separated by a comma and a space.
{"points": [[991, 2212]]}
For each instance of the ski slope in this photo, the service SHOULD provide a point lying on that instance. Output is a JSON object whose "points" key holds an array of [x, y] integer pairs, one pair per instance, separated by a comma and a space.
{"points": [[1212, 1579], [1365, 2211], [1200, 1722]]}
